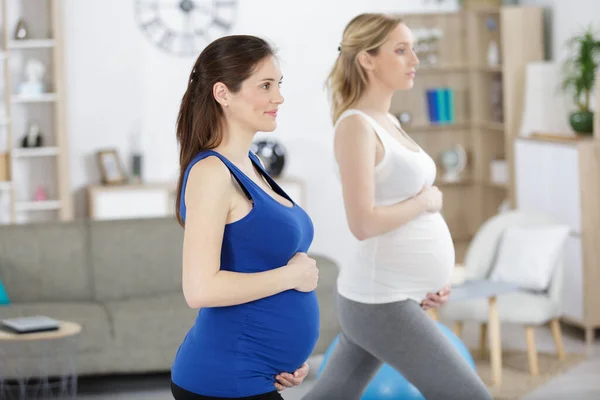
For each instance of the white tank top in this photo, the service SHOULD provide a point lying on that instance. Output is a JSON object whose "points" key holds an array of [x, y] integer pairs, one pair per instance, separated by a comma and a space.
{"points": [[417, 257]]}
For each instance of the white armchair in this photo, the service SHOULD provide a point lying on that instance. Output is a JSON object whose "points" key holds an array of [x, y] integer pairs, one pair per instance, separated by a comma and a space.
{"points": [[523, 307]]}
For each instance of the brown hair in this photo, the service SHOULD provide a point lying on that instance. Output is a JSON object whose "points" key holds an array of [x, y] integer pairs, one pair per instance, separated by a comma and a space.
{"points": [[347, 80], [229, 60]]}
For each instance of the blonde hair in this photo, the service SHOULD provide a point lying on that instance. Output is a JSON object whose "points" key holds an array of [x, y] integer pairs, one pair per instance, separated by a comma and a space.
{"points": [[347, 80]]}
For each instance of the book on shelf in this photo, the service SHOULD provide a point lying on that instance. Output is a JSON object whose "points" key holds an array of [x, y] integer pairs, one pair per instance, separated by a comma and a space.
{"points": [[441, 105]]}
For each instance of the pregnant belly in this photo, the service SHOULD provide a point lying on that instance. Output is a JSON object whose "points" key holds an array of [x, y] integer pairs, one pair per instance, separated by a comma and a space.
{"points": [[279, 332], [237, 351], [421, 253]]}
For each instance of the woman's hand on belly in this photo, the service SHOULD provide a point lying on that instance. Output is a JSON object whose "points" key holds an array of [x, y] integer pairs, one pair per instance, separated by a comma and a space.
{"points": [[436, 300], [286, 380]]}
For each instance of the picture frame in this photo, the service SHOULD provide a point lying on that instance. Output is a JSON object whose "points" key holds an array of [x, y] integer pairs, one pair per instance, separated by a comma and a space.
{"points": [[110, 167]]}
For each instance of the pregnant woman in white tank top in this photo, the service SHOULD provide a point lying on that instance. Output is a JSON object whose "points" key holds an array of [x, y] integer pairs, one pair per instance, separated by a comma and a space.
{"points": [[405, 253], [415, 258]]}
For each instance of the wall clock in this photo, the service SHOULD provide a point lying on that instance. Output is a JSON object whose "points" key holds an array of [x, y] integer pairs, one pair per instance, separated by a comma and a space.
{"points": [[184, 27]]}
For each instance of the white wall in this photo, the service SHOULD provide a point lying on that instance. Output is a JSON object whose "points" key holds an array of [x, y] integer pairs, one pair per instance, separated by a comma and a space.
{"points": [[567, 18], [118, 81]]}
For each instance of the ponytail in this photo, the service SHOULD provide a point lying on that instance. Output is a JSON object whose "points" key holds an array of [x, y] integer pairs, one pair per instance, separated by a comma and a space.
{"points": [[347, 80]]}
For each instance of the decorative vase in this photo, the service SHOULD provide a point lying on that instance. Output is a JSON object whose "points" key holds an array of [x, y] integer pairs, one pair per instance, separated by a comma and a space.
{"points": [[582, 122], [21, 30], [40, 194], [137, 158]]}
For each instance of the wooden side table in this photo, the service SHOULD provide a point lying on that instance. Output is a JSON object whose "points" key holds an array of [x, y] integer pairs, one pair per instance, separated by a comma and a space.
{"points": [[59, 346], [490, 290]]}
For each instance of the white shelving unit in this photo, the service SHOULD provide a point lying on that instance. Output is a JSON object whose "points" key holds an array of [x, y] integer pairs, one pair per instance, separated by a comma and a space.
{"points": [[28, 169], [30, 44], [36, 152], [42, 98], [44, 205]]}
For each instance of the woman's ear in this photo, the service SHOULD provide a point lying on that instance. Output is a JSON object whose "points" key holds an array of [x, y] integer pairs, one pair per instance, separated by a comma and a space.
{"points": [[221, 93], [365, 60]]}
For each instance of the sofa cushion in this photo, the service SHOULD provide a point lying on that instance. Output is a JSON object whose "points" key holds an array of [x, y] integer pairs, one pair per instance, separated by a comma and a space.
{"points": [[95, 328], [161, 320], [132, 258], [45, 262]]}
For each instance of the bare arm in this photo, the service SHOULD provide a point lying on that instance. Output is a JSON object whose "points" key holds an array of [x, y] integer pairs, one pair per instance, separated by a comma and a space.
{"points": [[208, 198], [355, 145]]}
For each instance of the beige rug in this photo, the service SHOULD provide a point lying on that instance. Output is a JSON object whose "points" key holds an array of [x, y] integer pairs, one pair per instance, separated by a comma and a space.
{"points": [[516, 380]]}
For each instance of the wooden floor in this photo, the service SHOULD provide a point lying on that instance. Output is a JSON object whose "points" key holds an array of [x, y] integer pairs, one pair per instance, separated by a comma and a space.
{"points": [[580, 383]]}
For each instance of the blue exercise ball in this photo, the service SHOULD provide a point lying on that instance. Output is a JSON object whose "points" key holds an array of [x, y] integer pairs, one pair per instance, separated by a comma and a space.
{"points": [[389, 384]]}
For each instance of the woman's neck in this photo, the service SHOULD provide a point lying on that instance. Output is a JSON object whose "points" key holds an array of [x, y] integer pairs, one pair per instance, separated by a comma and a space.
{"points": [[376, 99], [236, 143]]}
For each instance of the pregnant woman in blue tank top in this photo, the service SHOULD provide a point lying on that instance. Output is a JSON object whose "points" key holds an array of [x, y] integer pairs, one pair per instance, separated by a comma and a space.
{"points": [[244, 252]]}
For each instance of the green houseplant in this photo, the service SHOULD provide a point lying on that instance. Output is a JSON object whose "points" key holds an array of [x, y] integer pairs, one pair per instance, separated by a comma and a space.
{"points": [[579, 75]]}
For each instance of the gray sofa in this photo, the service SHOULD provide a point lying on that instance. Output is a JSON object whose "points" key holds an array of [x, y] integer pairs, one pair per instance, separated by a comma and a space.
{"points": [[121, 280]]}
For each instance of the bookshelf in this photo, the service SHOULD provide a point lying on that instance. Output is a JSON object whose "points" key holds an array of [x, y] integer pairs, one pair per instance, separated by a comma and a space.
{"points": [[487, 87], [26, 172]]}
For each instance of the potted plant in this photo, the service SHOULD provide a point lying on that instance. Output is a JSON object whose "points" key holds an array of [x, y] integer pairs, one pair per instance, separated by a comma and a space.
{"points": [[579, 75]]}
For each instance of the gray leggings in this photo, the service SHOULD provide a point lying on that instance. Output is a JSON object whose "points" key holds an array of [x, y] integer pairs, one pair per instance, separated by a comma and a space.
{"points": [[403, 336]]}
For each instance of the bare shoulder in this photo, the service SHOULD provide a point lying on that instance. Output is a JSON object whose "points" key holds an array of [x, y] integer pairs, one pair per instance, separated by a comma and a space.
{"points": [[209, 175], [354, 134], [352, 126]]}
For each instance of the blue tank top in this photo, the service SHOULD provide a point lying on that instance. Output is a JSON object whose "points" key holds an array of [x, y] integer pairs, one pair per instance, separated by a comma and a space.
{"points": [[236, 351]]}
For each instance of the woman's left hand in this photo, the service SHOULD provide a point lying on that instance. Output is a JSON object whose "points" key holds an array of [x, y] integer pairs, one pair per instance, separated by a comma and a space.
{"points": [[286, 380], [436, 300]]}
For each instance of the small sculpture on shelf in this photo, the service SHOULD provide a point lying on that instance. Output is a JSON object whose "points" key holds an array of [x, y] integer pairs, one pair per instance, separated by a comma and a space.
{"points": [[493, 52], [40, 194], [21, 30], [34, 73], [454, 161], [33, 138]]}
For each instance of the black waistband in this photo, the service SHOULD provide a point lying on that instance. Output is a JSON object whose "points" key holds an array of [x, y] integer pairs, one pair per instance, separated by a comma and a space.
{"points": [[182, 394]]}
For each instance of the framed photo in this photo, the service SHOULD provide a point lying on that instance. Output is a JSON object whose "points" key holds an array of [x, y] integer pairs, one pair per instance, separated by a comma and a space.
{"points": [[111, 169]]}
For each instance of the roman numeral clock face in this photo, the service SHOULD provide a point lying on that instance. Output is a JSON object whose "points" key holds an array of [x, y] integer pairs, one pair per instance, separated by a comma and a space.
{"points": [[184, 27]]}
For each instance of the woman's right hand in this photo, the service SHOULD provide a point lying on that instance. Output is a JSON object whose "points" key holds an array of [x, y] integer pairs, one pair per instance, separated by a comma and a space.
{"points": [[431, 197], [303, 271]]}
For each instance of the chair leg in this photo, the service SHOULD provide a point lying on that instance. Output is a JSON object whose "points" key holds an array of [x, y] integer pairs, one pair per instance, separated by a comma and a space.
{"points": [[433, 314], [532, 351], [557, 335], [589, 337], [458, 327], [482, 339]]}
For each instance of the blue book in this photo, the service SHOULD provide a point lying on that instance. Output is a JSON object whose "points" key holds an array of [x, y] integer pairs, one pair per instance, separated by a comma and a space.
{"points": [[442, 105], [432, 106], [451, 112]]}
